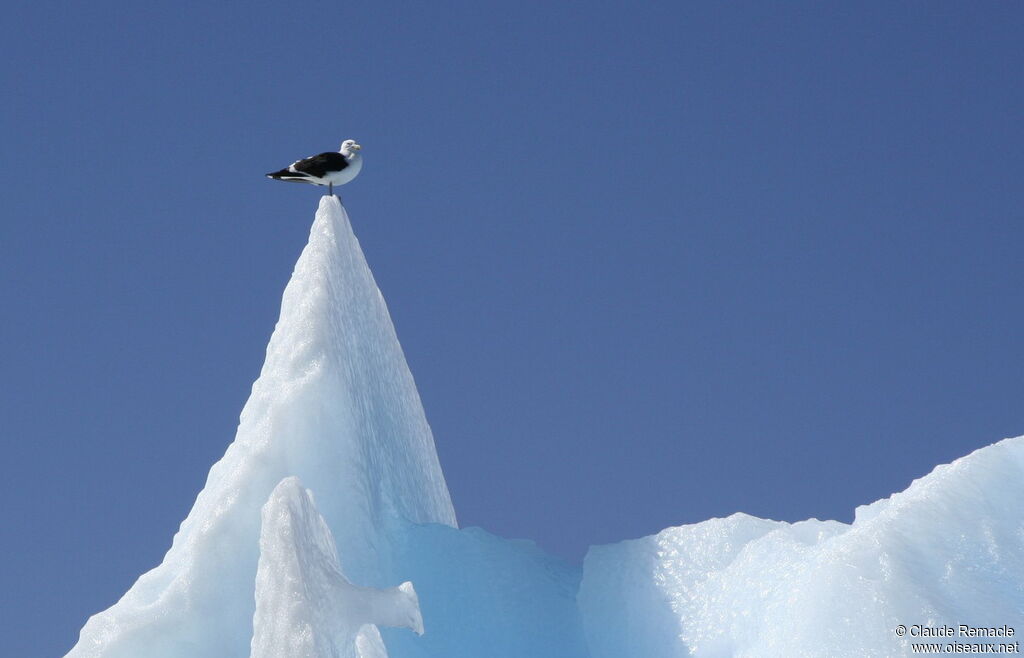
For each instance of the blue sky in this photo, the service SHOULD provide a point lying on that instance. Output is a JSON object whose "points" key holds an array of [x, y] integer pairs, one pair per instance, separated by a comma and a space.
{"points": [[650, 262]]}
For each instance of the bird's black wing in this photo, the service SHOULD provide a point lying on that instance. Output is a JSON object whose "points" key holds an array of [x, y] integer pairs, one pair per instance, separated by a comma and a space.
{"points": [[321, 165]]}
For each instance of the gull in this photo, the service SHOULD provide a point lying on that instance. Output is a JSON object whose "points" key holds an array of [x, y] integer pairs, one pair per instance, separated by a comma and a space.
{"points": [[330, 169]]}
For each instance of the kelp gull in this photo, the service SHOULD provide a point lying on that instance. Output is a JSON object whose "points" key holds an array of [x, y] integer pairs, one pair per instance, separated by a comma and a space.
{"points": [[330, 169]]}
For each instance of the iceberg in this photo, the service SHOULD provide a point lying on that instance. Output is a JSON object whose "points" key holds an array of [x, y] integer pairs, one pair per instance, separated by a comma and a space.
{"points": [[258, 569]]}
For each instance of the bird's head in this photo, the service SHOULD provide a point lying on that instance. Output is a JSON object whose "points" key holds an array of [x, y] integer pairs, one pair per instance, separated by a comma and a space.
{"points": [[349, 146]]}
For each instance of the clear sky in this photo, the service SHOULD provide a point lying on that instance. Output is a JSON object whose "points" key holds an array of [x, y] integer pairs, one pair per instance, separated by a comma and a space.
{"points": [[650, 262]]}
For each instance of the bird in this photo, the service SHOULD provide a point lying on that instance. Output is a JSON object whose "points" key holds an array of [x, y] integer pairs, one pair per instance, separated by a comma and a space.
{"points": [[330, 168]]}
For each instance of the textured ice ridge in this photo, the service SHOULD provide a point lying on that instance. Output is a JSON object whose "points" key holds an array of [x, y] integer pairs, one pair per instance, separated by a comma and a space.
{"points": [[947, 550]]}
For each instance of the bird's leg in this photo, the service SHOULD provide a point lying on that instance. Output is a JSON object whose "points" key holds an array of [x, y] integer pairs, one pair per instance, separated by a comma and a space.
{"points": [[330, 188]]}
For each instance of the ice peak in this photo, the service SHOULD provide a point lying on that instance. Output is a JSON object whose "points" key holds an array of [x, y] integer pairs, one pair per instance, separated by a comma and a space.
{"points": [[335, 405]]}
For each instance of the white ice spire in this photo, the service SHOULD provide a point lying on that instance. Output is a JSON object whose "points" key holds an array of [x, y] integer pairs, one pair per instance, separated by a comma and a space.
{"points": [[335, 405], [305, 606]]}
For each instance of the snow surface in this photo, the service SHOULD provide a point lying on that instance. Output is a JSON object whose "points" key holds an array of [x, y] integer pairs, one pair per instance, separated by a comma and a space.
{"points": [[336, 406], [305, 607]]}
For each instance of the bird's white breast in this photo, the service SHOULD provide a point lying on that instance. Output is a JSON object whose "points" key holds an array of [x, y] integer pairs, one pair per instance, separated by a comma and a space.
{"points": [[355, 164]]}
